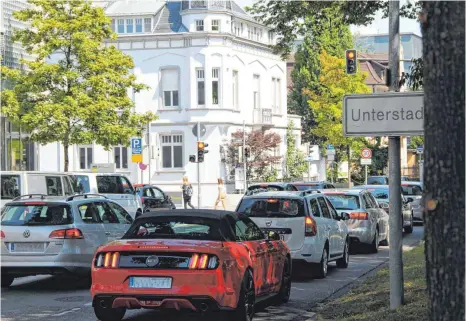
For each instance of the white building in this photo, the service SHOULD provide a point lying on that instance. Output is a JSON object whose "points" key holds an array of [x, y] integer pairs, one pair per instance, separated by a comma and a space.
{"points": [[205, 62]]}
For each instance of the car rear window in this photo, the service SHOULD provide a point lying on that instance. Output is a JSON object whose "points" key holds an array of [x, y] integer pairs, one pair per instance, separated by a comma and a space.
{"points": [[344, 202], [308, 187], [187, 228], [376, 180], [31, 213], [81, 183], [411, 190], [9, 186], [379, 193], [263, 188], [272, 207]]}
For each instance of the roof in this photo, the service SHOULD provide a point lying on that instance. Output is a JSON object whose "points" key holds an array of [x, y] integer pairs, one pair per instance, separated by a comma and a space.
{"points": [[133, 7], [212, 214], [168, 19]]}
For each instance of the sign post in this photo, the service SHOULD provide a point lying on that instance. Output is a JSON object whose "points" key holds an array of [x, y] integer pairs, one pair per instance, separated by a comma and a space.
{"points": [[331, 158], [198, 134]]}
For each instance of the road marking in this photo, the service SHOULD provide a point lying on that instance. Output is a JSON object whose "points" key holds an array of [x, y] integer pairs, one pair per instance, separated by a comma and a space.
{"points": [[88, 304], [66, 312], [298, 288]]}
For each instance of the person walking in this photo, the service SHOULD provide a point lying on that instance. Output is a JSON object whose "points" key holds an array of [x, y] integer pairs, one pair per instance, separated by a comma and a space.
{"points": [[222, 194], [187, 193]]}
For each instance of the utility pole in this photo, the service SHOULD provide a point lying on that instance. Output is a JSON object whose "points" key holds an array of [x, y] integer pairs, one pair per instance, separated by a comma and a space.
{"points": [[198, 169], [244, 156], [395, 219]]}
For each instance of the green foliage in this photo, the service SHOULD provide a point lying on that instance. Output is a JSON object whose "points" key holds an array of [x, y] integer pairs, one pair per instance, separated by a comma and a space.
{"points": [[416, 141], [296, 165], [80, 95]]}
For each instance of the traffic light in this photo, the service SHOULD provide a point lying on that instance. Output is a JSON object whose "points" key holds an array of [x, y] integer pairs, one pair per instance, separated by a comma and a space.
{"points": [[246, 152], [351, 66], [201, 151], [192, 158]]}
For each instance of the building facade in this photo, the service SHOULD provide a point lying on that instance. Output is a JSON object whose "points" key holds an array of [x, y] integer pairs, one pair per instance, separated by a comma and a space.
{"points": [[204, 61]]}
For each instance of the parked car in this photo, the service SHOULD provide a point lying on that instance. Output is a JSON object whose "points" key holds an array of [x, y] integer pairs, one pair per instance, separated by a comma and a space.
{"points": [[49, 236], [269, 187], [115, 186], [413, 193], [381, 194], [308, 223], [377, 180], [368, 223], [14, 184], [303, 186], [199, 260], [153, 198]]}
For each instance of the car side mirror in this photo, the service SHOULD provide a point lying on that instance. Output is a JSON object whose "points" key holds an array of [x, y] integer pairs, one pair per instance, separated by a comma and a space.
{"points": [[344, 216], [273, 236]]}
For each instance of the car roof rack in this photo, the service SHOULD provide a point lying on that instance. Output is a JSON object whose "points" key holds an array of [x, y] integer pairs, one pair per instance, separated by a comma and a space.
{"points": [[70, 198], [42, 196]]}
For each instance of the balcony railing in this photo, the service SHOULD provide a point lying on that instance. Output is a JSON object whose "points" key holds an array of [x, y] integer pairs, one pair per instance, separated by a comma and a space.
{"points": [[262, 116], [196, 4]]}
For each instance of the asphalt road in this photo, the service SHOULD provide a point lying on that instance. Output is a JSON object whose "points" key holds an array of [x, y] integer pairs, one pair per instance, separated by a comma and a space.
{"points": [[50, 298]]}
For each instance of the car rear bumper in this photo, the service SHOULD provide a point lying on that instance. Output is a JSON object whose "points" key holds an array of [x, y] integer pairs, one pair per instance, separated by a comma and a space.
{"points": [[361, 235]]}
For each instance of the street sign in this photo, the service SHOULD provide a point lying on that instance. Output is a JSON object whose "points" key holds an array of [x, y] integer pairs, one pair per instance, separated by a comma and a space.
{"points": [[366, 153], [387, 114], [203, 131], [136, 150], [366, 161], [309, 159], [330, 157], [420, 149], [314, 152], [330, 149], [330, 146]]}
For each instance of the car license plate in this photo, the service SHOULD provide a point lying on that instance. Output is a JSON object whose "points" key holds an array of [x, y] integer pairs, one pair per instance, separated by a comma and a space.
{"points": [[27, 247], [282, 237], [150, 283]]}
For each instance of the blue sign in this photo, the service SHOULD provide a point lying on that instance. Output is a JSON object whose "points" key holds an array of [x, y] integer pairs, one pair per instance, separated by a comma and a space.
{"points": [[136, 146], [420, 149], [330, 146]]}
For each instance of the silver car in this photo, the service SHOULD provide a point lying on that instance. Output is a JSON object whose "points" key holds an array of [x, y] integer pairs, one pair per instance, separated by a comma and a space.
{"points": [[368, 222], [412, 191], [50, 236]]}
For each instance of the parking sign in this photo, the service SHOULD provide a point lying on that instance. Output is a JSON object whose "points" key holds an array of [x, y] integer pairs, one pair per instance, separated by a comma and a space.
{"points": [[136, 150]]}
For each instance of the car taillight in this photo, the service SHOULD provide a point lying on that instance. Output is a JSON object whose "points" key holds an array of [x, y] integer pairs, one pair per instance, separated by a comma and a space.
{"points": [[310, 226], [2, 235], [203, 261], [108, 260], [72, 233], [359, 216]]}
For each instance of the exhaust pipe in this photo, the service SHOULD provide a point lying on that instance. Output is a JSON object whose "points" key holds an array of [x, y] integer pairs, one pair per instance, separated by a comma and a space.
{"points": [[103, 304], [204, 307]]}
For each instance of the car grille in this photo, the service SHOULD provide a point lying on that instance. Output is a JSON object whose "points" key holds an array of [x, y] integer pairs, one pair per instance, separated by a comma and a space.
{"points": [[165, 260]]}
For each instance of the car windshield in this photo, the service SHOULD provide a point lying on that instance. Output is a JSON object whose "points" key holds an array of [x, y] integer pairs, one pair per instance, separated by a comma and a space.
{"points": [[376, 180], [344, 202], [411, 190], [10, 186], [273, 207], [31, 213], [188, 228], [379, 193], [263, 188], [308, 187]]}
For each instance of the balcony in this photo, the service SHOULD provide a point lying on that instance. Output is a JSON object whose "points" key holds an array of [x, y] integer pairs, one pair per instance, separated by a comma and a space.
{"points": [[212, 4], [262, 117]]}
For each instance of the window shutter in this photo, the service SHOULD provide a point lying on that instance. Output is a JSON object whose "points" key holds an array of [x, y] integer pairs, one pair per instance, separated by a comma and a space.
{"points": [[170, 79]]}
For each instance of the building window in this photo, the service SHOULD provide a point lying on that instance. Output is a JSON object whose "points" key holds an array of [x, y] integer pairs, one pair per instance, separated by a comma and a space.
{"points": [[256, 91], [215, 25], [249, 33], [85, 157], [147, 24], [200, 87], [271, 36], [121, 25], [139, 25], [129, 26], [235, 89], [172, 151], [215, 81], [199, 25], [170, 87], [112, 25], [120, 155], [259, 36], [276, 92]]}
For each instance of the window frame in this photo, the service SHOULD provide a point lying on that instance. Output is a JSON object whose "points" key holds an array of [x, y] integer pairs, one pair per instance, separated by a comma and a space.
{"points": [[141, 20], [129, 23], [147, 22], [200, 72], [172, 93], [258, 92], [216, 78], [217, 25], [235, 85], [172, 144], [121, 163], [199, 23], [87, 164], [122, 26]]}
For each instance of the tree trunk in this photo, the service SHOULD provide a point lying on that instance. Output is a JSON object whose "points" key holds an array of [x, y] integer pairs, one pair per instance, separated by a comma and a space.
{"points": [[444, 217], [67, 159]]}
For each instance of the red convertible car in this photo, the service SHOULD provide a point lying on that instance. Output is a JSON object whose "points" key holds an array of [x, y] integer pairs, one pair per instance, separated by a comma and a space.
{"points": [[198, 260]]}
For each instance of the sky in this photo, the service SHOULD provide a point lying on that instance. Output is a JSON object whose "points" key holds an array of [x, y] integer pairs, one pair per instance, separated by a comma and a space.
{"points": [[378, 26]]}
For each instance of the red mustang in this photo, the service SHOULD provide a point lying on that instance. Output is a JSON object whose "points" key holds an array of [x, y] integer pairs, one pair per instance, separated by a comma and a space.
{"points": [[199, 260]]}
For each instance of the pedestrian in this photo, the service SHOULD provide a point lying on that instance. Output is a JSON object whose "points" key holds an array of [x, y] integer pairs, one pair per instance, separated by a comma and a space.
{"points": [[187, 193], [222, 194]]}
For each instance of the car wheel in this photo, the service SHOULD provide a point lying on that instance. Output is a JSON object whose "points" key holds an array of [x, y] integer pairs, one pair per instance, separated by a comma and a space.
{"points": [[322, 267], [409, 229], [109, 314], [283, 295], [7, 280], [374, 247], [344, 261], [247, 298]]}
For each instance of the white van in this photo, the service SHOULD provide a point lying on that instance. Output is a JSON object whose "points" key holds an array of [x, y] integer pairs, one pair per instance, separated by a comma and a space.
{"points": [[115, 186], [16, 183]]}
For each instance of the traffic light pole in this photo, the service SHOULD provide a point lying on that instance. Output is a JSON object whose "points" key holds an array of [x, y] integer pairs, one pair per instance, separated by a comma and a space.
{"points": [[244, 157], [198, 169]]}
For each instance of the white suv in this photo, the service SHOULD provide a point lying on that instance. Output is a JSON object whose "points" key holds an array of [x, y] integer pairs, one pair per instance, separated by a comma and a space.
{"points": [[307, 222]]}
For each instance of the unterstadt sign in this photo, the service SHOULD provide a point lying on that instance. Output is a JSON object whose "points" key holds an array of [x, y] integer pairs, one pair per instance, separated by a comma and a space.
{"points": [[387, 114]]}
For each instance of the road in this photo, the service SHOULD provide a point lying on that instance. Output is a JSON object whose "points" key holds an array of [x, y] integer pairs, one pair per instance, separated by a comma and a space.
{"points": [[50, 298]]}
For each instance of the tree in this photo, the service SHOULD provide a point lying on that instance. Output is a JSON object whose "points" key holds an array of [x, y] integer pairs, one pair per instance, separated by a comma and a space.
{"points": [[295, 164], [76, 90], [443, 44], [416, 141], [261, 161]]}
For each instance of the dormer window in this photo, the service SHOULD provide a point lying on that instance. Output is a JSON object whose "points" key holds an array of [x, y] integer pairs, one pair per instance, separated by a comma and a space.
{"points": [[138, 25], [121, 25], [129, 26], [147, 24], [215, 25], [199, 25]]}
